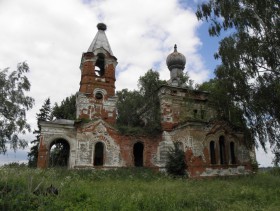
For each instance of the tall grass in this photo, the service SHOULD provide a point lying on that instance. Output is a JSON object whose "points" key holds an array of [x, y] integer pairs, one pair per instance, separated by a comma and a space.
{"points": [[134, 189]]}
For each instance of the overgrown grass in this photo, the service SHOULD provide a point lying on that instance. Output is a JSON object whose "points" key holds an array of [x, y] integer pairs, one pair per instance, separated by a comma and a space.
{"points": [[134, 189]]}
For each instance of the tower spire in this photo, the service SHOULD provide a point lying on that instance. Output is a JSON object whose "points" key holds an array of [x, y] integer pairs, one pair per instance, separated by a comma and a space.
{"points": [[100, 40]]}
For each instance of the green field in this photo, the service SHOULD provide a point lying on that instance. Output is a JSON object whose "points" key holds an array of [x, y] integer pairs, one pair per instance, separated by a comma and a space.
{"points": [[134, 189]]}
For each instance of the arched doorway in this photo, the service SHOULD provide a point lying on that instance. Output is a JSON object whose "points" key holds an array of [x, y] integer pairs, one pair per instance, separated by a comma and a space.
{"points": [[59, 153], [138, 149], [99, 154]]}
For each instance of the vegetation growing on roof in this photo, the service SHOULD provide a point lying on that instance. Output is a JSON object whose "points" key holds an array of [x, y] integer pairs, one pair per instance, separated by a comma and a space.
{"points": [[139, 110]]}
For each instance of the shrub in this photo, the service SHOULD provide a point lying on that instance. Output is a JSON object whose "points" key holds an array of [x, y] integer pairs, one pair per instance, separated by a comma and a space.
{"points": [[15, 165], [275, 171], [176, 164]]}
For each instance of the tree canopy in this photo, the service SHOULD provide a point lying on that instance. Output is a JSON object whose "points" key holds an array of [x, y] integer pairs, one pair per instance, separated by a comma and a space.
{"points": [[66, 109], [140, 108], [13, 106], [250, 55]]}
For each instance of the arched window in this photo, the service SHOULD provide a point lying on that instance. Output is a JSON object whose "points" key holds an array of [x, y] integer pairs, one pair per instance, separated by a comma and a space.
{"points": [[202, 114], [222, 150], [232, 153], [212, 152], [138, 150], [100, 65], [99, 154], [195, 113]]}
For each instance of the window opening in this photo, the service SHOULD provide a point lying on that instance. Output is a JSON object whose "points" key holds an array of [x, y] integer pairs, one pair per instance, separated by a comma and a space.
{"points": [[98, 96], [202, 114], [194, 113], [232, 153], [222, 150], [212, 152], [100, 65]]}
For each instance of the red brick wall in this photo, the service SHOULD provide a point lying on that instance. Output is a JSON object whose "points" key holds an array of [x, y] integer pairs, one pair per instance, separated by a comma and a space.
{"points": [[126, 144], [90, 81], [42, 155]]}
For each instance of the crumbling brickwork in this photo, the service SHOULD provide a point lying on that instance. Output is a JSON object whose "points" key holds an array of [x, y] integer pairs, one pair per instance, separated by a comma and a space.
{"points": [[211, 147]]}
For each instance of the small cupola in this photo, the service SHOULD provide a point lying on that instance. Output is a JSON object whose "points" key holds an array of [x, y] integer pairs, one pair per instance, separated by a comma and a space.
{"points": [[176, 64], [176, 60]]}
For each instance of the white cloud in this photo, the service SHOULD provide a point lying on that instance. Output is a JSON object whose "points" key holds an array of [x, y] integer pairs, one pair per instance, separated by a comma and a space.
{"points": [[264, 159], [143, 33], [51, 36]]}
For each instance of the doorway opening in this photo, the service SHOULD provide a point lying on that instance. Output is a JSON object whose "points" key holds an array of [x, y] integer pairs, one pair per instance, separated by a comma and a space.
{"points": [[99, 154], [138, 150]]}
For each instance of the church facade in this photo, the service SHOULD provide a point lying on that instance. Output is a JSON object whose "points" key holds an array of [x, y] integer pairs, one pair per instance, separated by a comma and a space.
{"points": [[211, 147]]}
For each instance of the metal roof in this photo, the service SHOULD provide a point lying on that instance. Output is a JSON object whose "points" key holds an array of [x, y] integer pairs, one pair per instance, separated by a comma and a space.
{"points": [[100, 40]]}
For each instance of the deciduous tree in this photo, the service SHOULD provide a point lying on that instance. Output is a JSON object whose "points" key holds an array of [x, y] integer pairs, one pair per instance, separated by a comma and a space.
{"points": [[127, 106], [150, 111], [140, 108], [250, 58], [13, 106]]}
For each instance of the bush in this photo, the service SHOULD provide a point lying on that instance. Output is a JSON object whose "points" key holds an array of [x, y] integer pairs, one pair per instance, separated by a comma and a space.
{"points": [[275, 171], [15, 165], [176, 164]]}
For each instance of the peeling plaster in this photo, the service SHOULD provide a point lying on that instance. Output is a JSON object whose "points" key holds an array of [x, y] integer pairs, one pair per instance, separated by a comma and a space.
{"points": [[210, 172]]}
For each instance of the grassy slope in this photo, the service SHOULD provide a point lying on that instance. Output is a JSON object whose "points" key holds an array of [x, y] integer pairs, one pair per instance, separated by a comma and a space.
{"points": [[134, 189]]}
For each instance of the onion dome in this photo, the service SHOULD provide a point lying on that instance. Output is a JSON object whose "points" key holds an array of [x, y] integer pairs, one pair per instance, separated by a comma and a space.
{"points": [[176, 60]]}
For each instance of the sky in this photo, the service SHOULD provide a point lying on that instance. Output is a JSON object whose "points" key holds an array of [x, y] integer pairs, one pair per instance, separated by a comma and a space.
{"points": [[51, 36]]}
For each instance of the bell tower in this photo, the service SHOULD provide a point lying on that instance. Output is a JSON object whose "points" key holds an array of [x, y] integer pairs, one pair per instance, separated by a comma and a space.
{"points": [[96, 97]]}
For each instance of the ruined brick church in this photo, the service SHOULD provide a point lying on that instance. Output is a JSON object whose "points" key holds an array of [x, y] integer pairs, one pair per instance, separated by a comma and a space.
{"points": [[212, 147]]}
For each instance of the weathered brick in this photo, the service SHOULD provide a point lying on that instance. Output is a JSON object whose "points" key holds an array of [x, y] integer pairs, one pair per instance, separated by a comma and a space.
{"points": [[186, 117]]}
